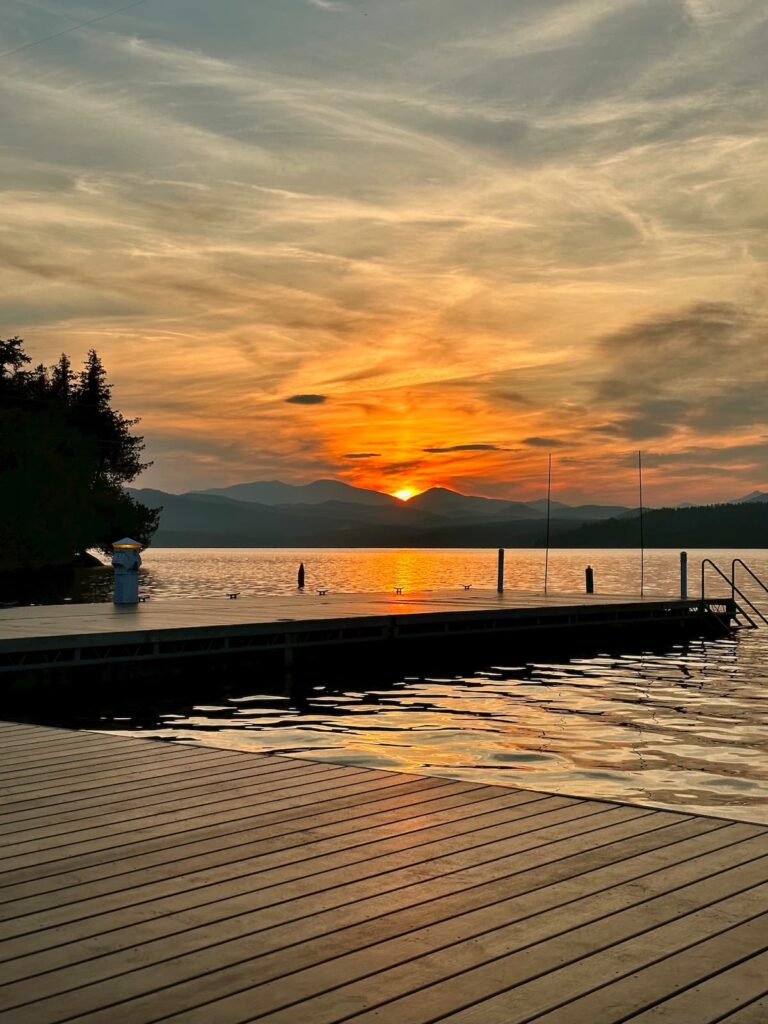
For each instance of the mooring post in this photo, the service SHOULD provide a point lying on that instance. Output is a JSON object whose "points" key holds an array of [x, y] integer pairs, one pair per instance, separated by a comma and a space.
{"points": [[590, 575], [126, 561], [301, 576], [683, 575], [500, 576]]}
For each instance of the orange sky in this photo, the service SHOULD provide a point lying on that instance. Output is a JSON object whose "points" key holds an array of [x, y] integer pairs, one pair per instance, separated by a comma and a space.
{"points": [[403, 245]]}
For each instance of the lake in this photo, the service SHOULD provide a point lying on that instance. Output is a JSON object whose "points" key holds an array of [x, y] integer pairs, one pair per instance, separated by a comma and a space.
{"points": [[211, 572], [685, 727]]}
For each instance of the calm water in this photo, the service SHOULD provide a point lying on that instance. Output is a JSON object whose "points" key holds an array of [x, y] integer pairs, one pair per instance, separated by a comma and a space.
{"points": [[684, 728], [211, 572]]}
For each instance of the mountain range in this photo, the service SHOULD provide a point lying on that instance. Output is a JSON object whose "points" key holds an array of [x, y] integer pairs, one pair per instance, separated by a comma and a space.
{"points": [[330, 513]]}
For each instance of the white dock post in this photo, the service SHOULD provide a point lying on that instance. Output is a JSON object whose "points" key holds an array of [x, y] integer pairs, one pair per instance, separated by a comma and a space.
{"points": [[500, 576], [683, 575], [126, 560]]}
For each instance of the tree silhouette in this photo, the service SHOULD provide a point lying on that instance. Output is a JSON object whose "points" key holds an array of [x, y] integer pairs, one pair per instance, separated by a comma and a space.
{"points": [[65, 456]]}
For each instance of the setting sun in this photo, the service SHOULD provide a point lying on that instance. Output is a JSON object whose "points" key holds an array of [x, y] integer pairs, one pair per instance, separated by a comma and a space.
{"points": [[405, 493]]}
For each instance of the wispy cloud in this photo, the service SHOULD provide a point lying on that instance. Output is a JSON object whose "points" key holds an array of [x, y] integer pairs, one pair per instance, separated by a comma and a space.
{"points": [[546, 227], [333, 6]]}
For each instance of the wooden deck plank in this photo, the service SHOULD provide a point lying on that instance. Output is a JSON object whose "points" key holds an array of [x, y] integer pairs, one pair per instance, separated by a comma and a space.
{"points": [[222, 759], [322, 774], [216, 973], [314, 858], [317, 788], [426, 793], [80, 638], [285, 949], [289, 817], [683, 986], [755, 1012], [76, 620], [389, 984], [135, 810], [75, 756], [138, 887], [309, 918], [52, 752], [226, 773], [305, 896], [724, 932], [35, 740], [70, 924], [98, 780], [53, 744], [77, 766], [463, 803]]}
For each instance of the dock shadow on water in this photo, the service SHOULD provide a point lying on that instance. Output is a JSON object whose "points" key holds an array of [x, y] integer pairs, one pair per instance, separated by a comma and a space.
{"points": [[683, 726]]}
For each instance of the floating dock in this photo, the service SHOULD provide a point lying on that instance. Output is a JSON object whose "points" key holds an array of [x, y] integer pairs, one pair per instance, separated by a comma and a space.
{"points": [[143, 881], [281, 630]]}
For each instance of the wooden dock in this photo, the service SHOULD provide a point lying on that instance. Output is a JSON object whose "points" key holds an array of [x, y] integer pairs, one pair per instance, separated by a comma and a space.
{"points": [[144, 881], [61, 637]]}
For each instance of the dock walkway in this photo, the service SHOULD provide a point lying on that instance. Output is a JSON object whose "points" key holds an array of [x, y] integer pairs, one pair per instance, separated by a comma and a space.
{"points": [[78, 636], [144, 881]]}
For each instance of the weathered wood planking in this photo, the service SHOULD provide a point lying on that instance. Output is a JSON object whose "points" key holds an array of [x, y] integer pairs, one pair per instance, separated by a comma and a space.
{"points": [[143, 881]]}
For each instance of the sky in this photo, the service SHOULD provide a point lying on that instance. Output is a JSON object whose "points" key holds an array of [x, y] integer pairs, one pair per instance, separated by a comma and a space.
{"points": [[400, 243]]}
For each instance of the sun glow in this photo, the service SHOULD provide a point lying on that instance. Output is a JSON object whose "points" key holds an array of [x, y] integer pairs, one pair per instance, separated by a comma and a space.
{"points": [[405, 493]]}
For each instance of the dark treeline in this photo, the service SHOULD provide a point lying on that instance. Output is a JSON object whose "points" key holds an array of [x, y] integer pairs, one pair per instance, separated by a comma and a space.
{"points": [[707, 526], [65, 456]]}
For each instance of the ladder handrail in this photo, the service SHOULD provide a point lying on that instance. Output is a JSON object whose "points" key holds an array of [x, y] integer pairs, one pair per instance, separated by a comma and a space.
{"points": [[708, 561], [732, 584], [740, 561]]}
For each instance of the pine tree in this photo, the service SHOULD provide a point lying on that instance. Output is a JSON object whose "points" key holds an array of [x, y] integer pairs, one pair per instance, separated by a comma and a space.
{"points": [[12, 358], [65, 456], [62, 378]]}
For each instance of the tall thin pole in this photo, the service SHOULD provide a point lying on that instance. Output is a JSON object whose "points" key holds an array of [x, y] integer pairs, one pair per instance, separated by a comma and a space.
{"points": [[549, 505], [642, 536]]}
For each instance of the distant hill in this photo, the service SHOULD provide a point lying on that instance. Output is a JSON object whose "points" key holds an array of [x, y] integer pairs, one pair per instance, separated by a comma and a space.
{"points": [[275, 492], [444, 502], [469, 507], [755, 496], [212, 520]]}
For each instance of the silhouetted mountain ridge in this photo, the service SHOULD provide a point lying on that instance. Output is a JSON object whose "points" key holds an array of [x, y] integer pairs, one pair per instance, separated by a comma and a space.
{"points": [[275, 492], [440, 501], [754, 496], [208, 519]]}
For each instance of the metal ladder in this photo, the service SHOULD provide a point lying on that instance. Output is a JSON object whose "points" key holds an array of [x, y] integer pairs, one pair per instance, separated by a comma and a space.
{"points": [[731, 581]]}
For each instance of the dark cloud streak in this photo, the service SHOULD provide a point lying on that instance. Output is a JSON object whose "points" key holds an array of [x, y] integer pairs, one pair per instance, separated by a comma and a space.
{"points": [[307, 399], [465, 448]]}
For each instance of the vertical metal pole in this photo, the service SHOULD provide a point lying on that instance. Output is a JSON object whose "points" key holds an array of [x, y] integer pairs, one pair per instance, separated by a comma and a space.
{"points": [[500, 575], [683, 575], [549, 503], [642, 537]]}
